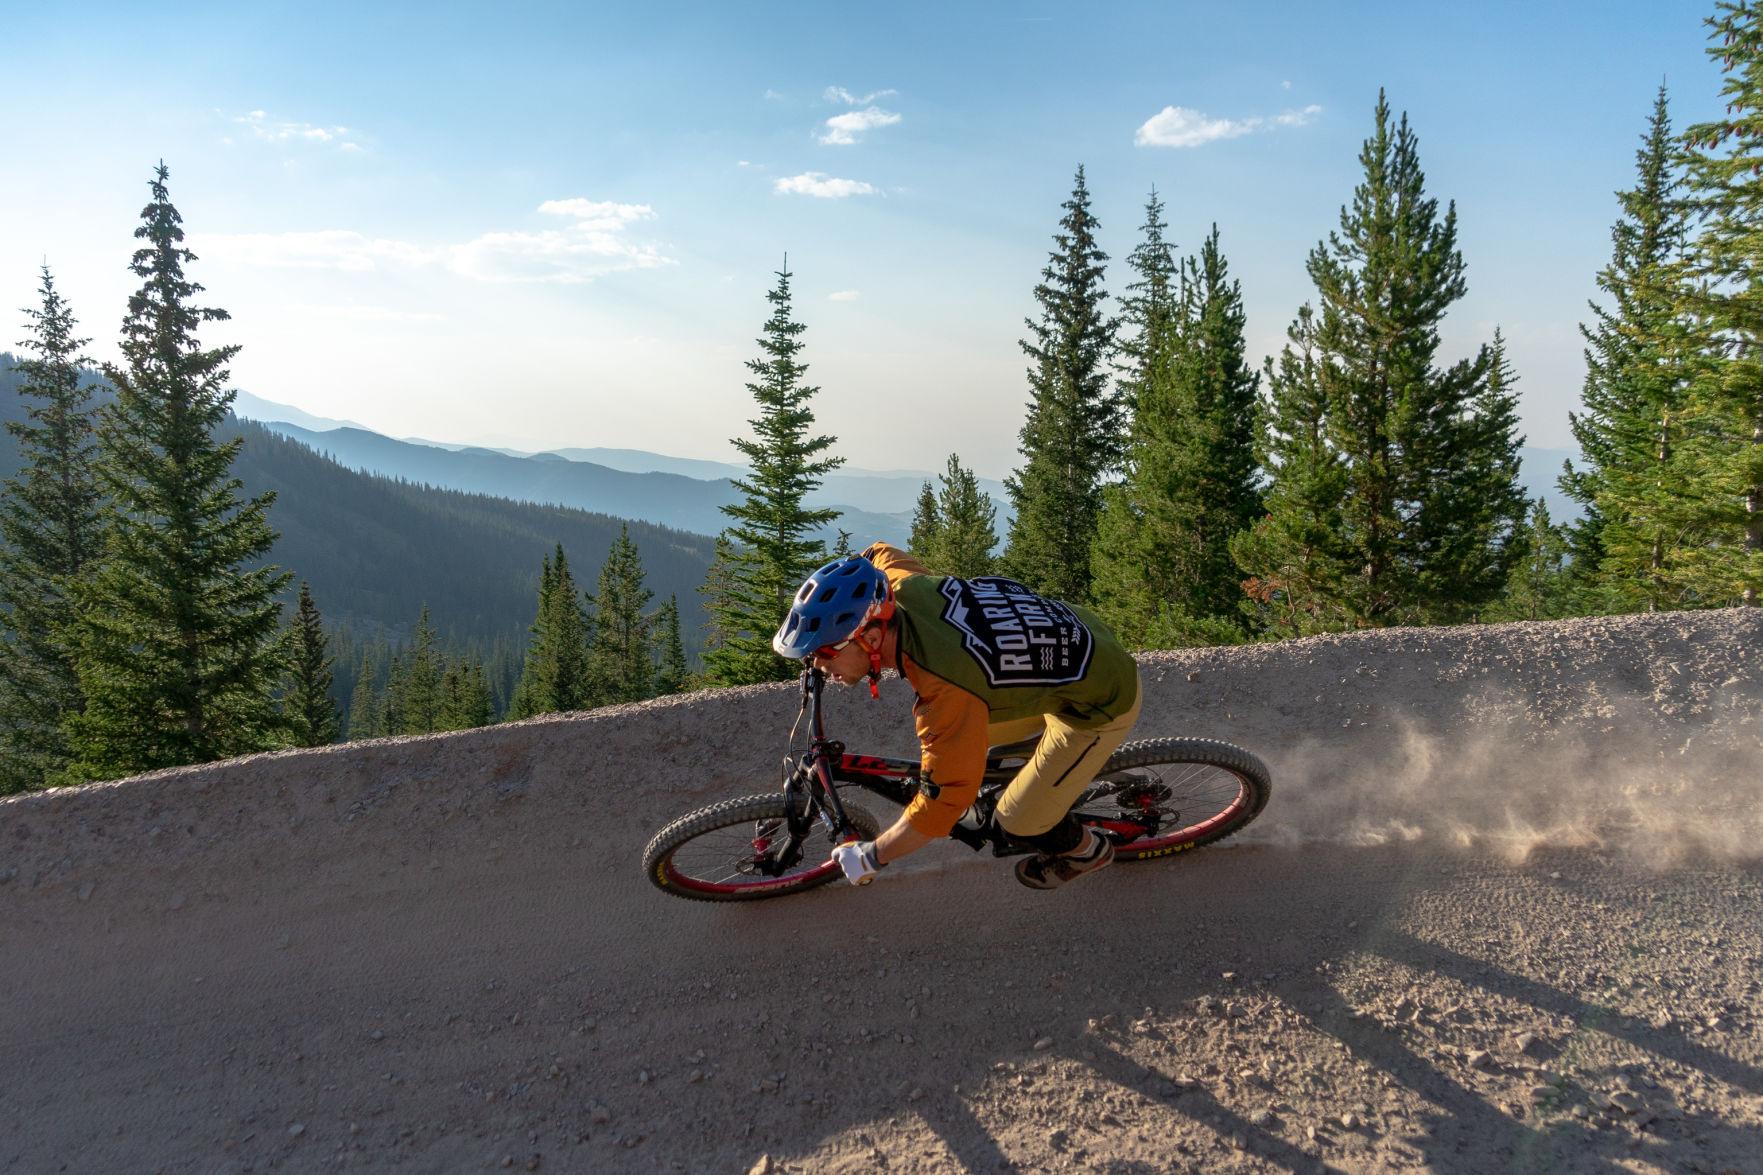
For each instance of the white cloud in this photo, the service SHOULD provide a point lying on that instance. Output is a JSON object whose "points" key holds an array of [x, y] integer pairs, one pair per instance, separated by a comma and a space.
{"points": [[1179, 126], [569, 257], [598, 215], [269, 130], [772, 96], [818, 183], [844, 296], [588, 248], [840, 94], [1285, 85], [843, 129]]}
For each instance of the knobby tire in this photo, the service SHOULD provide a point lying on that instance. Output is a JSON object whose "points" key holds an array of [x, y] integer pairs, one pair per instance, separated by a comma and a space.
{"points": [[1215, 788], [709, 855]]}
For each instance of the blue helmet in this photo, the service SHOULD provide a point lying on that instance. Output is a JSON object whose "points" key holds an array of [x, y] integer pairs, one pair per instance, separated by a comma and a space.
{"points": [[832, 605]]}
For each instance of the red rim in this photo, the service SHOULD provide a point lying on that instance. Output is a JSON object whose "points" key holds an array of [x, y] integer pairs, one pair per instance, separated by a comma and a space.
{"points": [[679, 880], [1190, 833]]}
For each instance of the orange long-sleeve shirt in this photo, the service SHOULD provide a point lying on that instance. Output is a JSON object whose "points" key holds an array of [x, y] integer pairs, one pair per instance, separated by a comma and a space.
{"points": [[951, 723]]}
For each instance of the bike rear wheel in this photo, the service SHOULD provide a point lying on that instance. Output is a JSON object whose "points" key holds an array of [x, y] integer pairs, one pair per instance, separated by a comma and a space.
{"points": [[737, 851], [1163, 796]]}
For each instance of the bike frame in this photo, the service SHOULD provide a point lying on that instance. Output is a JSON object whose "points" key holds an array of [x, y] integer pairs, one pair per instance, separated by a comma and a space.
{"points": [[813, 785]]}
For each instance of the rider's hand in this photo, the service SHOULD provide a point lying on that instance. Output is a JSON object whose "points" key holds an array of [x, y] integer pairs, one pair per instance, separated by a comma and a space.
{"points": [[857, 858]]}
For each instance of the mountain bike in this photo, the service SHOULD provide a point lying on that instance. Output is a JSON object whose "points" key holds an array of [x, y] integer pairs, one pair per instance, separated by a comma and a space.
{"points": [[1153, 798]]}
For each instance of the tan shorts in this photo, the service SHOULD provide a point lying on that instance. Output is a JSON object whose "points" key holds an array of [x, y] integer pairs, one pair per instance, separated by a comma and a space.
{"points": [[1064, 763]]}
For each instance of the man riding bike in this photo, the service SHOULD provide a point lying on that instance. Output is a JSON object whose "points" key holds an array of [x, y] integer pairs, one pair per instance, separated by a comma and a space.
{"points": [[991, 663]]}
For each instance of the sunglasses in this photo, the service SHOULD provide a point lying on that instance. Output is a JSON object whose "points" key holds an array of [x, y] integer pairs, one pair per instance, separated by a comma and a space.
{"points": [[828, 652]]}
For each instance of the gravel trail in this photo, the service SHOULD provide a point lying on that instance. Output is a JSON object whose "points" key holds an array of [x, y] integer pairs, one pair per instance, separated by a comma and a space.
{"points": [[1504, 912]]}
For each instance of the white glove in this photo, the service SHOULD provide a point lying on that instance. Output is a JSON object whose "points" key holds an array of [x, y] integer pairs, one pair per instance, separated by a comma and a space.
{"points": [[857, 859]]}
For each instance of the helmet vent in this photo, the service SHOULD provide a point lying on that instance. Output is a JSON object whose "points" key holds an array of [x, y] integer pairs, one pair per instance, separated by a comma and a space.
{"points": [[826, 609]]}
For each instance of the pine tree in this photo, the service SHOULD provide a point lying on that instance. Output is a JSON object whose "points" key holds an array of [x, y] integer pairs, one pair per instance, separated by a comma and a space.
{"points": [[1297, 556], [670, 671], [366, 702], [1427, 530], [558, 674], [1475, 502], [414, 696], [1636, 385], [178, 650], [725, 591], [924, 521], [527, 701], [1723, 458], [770, 550], [307, 708], [465, 696], [1165, 574], [1538, 588], [621, 663], [967, 529], [1150, 315], [1151, 342], [49, 519], [1223, 391], [1073, 433]]}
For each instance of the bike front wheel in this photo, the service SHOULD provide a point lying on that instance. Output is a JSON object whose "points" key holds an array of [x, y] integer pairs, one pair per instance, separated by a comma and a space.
{"points": [[740, 850], [1165, 795]]}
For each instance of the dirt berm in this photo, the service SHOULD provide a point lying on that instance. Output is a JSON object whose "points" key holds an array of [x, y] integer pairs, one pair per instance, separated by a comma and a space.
{"points": [[1504, 912]]}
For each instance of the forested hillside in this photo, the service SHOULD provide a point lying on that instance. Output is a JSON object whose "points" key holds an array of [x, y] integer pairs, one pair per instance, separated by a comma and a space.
{"points": [[375, 550], [668, 499], [859, 492]]}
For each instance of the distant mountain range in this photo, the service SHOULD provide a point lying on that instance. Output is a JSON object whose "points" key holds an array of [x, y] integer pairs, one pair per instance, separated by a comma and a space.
{"points": [[376, 550], [876, 504], [663, 499], [680, 492]]}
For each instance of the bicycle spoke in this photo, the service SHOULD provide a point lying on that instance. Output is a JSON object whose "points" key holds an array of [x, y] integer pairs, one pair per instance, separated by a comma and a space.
{"points": [[1171, 802], [731, 850]]}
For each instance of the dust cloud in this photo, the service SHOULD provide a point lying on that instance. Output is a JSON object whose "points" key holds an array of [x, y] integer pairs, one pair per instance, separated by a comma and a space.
{"points": [[1664, 806], [1639, 736]]}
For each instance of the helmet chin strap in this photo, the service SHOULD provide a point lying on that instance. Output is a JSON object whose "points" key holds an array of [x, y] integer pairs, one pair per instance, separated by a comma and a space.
{"points": [[874, 652]]}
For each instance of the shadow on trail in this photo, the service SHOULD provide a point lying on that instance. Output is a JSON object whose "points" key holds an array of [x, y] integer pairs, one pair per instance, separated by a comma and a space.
{"points": [[1428, 956], [568, 1009], [1203, 1107]]}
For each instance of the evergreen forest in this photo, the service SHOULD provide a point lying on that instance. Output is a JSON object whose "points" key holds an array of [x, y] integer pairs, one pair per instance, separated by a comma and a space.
{"points": [[178, 585]]}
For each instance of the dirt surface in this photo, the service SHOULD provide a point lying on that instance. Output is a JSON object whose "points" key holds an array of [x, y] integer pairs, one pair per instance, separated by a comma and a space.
{"points": [[1504, 912]]}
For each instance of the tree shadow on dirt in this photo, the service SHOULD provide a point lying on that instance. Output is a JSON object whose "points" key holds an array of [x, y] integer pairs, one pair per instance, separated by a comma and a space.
{"points": [[1461, 1128], [1468, 1119], [569, 1011]]}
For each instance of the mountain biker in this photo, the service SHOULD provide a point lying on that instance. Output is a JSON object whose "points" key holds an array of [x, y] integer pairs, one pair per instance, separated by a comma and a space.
{"points": [[991, 662]]}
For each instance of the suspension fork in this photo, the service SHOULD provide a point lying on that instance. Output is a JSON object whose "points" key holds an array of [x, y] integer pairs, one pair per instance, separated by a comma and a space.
{"points": [[812, 794], [811, 784]]}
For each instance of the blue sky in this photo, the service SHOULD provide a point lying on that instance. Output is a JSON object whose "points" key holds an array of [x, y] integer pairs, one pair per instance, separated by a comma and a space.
{"points": [[554, 225]]}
